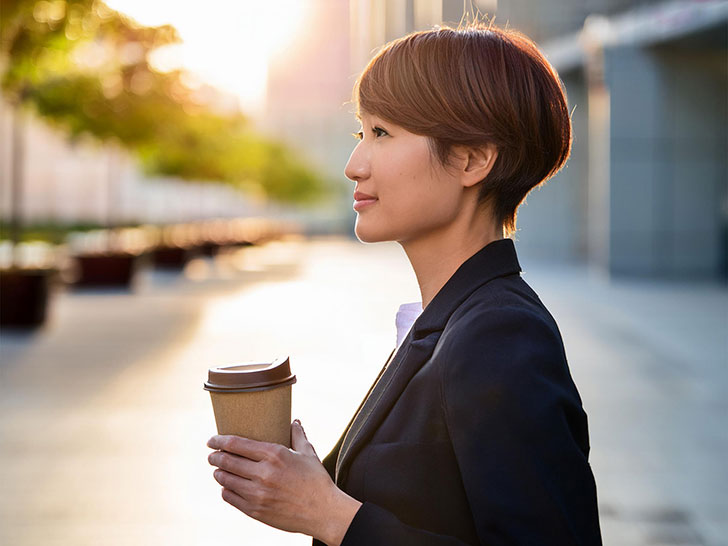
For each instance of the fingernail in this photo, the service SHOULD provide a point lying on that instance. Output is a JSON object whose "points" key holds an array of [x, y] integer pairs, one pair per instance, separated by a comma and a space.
{"points": [[296, 421]]}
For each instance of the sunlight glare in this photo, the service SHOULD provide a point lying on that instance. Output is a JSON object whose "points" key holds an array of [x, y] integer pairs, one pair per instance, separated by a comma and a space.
{"points": [[226, 44]]}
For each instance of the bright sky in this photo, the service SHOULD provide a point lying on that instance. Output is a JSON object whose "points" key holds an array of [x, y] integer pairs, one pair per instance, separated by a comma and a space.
{"points": [[227, 43]]}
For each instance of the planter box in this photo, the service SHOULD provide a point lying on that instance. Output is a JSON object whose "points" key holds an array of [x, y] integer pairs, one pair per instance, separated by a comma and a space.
{"points": [[209, 249], [107, 269], [242, 244], [171, 257], [24, 296]]}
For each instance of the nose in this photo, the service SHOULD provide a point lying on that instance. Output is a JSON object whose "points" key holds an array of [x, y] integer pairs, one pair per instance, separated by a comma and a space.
{"points": [[357, 168]]}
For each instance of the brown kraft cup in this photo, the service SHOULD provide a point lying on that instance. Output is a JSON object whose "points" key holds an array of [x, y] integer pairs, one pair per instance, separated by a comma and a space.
{"points": [[253, 400]]}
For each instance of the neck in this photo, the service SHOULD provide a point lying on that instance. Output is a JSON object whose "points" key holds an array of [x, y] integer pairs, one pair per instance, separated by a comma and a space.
{"points": [[435, 258]]}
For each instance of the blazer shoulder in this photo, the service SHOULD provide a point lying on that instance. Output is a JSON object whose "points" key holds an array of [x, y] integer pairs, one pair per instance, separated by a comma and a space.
{"points": [[504, 305], [502, 332]]}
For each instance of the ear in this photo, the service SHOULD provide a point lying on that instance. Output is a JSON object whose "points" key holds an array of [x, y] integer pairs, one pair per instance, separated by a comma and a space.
{"points": [[477, 164]]}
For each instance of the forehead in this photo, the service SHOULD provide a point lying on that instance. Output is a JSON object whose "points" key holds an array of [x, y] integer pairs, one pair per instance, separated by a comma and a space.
{"points": [[363, 116]]}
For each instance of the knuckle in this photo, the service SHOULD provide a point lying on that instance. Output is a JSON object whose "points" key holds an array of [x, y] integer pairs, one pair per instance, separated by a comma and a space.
{"points": [[253, 497], [267, 476], [265, 497], [220, 459], [276, 454], [228, 443], [261, 496], [227, 459]]}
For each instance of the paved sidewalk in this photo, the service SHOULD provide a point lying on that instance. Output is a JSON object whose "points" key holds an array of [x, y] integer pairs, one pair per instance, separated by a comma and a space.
{"points": [[103, 418], [651, 362]]}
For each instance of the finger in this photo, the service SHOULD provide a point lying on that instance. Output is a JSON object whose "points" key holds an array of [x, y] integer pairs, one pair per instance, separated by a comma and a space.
{"points": [[231, 497], [240, 486], [299, 442], [232, 463], [250, 449]]}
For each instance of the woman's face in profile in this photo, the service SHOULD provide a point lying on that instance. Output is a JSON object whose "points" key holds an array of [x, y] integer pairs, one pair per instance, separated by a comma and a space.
{"points": [[402, 193]]}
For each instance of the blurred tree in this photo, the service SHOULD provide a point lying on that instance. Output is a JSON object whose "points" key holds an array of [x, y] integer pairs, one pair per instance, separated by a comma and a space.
{"points": [[86, 68]]}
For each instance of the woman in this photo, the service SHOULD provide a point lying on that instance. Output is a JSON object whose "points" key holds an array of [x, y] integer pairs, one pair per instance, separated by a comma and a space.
{"points": [[474, 432]]}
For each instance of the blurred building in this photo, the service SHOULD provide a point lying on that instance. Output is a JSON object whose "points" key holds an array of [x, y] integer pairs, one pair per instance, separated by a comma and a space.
{"points": [[307, 106], [309, 88], [82, 181], [549, 19], [375, 22], [645, 191]]}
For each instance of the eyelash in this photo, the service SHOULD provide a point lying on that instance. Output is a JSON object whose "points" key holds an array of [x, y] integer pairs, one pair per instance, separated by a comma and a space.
{"points": [[375, 130]]}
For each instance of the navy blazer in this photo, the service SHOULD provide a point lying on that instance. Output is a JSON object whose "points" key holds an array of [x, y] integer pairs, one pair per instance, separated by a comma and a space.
{"points": [[474, 432]]}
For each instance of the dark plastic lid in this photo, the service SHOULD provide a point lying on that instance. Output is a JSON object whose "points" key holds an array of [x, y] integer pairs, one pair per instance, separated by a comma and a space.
{"points": [[250, 376]]}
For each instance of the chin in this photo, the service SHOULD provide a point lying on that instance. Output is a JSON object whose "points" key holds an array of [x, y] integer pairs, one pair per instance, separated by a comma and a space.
{"points": [[367, 235], [367, 238]]}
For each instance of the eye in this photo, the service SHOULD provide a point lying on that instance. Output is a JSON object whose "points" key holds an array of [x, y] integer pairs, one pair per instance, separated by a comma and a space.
{"points": [[378, 131]]}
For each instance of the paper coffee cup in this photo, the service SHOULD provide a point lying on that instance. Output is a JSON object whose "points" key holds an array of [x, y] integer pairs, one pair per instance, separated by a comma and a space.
{"points": [[253, 400]]}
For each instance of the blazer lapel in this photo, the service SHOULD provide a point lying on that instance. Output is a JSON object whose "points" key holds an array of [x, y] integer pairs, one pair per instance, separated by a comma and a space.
{"points": [[329, 461], [383, 395], [494, 260]]}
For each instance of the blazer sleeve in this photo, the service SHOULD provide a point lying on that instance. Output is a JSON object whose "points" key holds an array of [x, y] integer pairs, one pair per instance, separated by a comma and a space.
{"points": [[519, 436]]}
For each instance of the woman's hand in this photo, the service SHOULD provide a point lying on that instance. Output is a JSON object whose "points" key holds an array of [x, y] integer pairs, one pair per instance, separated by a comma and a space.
{"points": [[285, 488]]}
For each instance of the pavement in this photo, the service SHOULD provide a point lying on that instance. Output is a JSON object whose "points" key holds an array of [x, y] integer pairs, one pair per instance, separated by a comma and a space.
{"points": [[103, 419]]}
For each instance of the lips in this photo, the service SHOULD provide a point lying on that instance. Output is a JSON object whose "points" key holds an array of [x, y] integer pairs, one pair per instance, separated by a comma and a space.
{"points": [[359, 196], [362, 200]]}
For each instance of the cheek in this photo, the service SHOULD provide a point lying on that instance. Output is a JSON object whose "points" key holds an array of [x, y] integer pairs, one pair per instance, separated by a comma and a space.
{"points": [[412, 190], [423, 205], [408, 180], [433, 195]]}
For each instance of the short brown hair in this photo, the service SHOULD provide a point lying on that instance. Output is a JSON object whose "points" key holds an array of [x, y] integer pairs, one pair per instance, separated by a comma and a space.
{"points": [[471, 86]]}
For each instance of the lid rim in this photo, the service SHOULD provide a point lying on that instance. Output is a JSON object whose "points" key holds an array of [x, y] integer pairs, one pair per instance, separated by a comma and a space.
{"points": [[231, 390], [250, 376]]}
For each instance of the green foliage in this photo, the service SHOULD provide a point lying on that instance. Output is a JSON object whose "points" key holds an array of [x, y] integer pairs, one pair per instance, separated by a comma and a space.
{"points": [[48, 232], [85, 68]]}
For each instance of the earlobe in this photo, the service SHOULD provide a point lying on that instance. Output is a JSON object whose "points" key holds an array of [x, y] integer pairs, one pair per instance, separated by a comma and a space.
{"points": [[480, 163]]}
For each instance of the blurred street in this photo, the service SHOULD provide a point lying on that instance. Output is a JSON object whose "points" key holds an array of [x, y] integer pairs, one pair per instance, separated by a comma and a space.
{"points": [[103, 419]]}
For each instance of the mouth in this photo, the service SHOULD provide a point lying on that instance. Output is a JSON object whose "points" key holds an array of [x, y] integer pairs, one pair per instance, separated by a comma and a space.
{"points": [[362, 200]]}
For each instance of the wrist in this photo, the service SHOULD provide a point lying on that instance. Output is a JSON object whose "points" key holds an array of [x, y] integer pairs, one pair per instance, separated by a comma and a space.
{"points": [[337, 521]]}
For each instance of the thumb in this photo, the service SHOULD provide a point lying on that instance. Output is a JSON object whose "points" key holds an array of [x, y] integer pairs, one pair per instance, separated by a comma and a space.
{"points": [[299, 442]]}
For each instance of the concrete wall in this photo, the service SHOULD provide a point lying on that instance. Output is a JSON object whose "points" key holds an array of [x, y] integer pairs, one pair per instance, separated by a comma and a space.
{"points": [[668, 160], [691, 157], [68, 182], [548, 19], [552, 222]]}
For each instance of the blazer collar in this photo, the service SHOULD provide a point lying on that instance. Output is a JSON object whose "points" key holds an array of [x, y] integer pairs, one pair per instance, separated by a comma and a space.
{"points": [[497, 259]]}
